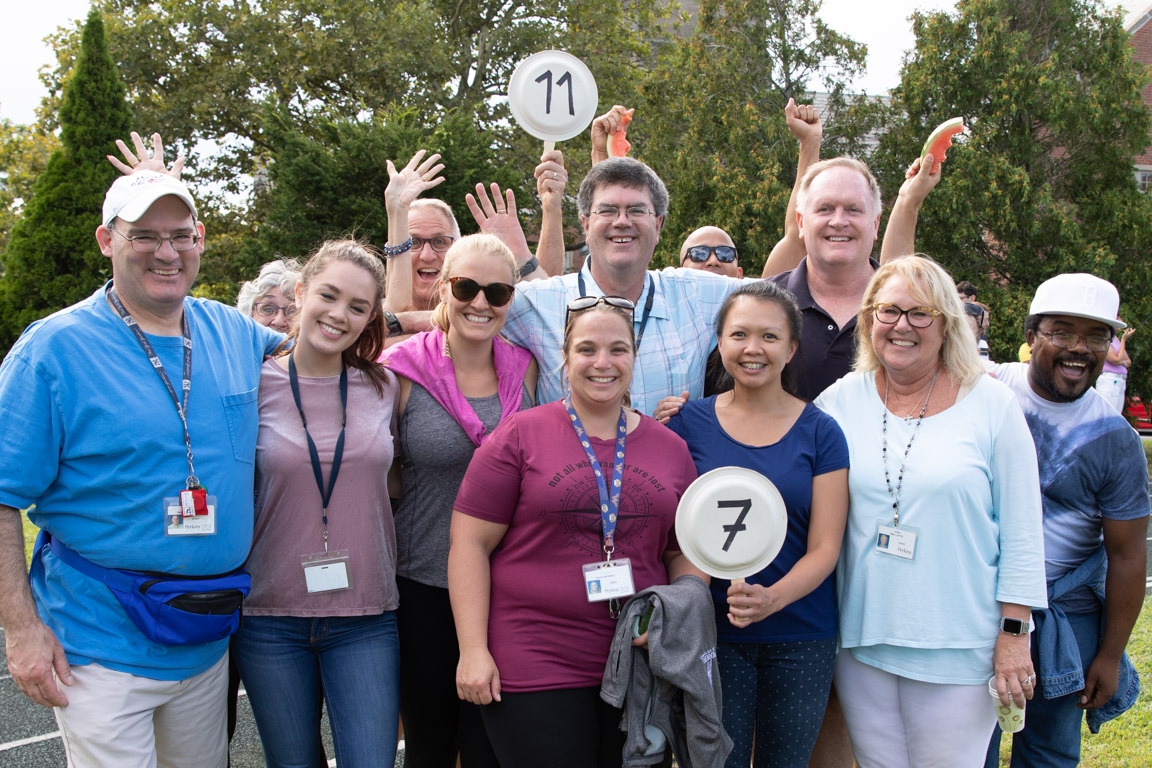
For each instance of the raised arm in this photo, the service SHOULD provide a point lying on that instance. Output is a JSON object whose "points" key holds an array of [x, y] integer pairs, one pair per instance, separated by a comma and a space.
{"points": [[404, 186], [604, 126], [803, 123], [900, 234], [497, 216], [35, 656], [551, 178], [140, 160]]}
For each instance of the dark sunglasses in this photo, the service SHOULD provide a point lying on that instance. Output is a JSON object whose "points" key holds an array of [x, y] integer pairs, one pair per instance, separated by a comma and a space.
{"points": [[700, 253], [497, 294], [973, 309]]}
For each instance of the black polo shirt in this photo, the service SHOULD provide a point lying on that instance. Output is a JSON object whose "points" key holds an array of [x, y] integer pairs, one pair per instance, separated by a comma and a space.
{"points": [[826, 351]]}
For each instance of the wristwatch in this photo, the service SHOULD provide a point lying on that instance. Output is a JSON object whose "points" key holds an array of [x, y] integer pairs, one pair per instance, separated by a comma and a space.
{"points": [[1014, 626], [393, 324]]}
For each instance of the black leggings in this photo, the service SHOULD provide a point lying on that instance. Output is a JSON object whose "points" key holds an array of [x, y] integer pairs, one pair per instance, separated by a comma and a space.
{"points": [[437, 724], [567, 728]]}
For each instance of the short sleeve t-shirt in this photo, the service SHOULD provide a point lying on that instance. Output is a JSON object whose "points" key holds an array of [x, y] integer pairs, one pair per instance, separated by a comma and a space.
{"points": [[1092, 467], [533, 476], [813, 446]]}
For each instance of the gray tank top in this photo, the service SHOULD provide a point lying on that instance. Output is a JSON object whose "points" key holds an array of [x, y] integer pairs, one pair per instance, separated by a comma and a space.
{"points": [[436, 453]]}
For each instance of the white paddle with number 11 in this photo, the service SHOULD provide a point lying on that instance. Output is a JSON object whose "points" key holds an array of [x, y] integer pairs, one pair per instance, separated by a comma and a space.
{"points": [[553, 96]]}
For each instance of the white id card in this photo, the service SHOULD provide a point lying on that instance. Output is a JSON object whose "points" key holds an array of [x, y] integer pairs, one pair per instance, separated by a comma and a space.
{"points": [[608, 581], [177, 523], [327, 571], [900, 542]]}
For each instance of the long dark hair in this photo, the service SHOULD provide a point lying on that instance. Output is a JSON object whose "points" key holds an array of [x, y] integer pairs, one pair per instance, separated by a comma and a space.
{"points": [[362, 355], [771, 293]]}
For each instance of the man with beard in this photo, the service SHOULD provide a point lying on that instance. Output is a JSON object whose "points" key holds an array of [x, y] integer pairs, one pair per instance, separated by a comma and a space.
{"points": [[1095, 490]]}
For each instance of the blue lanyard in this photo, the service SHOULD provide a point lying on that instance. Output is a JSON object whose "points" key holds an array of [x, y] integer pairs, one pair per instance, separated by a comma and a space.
{"points": [[313, 454], [647, 304], [185, 383], [609, 504]]}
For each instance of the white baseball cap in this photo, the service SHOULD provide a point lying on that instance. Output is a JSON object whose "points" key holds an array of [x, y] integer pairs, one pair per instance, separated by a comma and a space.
{"points": [[1078, 295], [130, 197]]}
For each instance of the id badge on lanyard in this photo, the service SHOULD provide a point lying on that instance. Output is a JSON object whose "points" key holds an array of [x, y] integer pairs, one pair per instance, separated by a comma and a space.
{"points": [[609, 580]]}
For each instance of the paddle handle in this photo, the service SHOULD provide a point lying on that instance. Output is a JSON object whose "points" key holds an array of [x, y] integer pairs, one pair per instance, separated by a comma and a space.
{"points": [[549, 146], [737, 581]]}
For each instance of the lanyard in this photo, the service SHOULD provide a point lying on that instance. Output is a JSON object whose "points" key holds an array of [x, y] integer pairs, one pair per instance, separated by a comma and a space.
{"points": [[647, 304], [313, 454], [185, 384], [609, 505]]}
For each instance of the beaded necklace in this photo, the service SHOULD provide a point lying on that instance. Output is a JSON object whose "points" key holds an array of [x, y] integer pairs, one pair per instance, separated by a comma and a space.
{"points": [[895, 494]]}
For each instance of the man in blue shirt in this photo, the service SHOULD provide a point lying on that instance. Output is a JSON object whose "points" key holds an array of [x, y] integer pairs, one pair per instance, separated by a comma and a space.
{"points": [[111, 408], [1094, 479]]}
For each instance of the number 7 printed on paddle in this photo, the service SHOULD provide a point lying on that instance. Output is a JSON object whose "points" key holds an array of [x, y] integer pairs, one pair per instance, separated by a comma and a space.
{"points": [[731, 522], [736, 527]]}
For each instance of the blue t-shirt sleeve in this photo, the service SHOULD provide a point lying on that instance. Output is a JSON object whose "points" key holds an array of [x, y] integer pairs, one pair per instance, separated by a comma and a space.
{"points": [[831, 446], [32, 433], [1124, 496]]}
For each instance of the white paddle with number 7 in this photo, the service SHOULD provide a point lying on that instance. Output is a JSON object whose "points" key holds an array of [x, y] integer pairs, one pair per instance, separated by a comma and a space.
{"points": [[553, 96], [731, 523]]}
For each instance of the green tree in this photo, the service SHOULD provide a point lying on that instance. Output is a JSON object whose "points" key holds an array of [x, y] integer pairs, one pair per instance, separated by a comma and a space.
{"points": [[24, 152], [331, 186], [712, 118], [52, 259], [1044, 184]]}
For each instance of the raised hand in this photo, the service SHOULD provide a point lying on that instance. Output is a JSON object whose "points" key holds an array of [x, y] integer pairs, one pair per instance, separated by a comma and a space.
{"points": [[407, 184], [140, 160]]}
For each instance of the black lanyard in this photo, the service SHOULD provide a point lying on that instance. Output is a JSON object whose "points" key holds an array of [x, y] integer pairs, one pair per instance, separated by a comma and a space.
{"points": [[647, 304], [186, 382], [313, 454]]}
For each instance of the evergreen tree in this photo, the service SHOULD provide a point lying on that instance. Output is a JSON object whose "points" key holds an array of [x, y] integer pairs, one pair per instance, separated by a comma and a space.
{"points": [[52, 259]]}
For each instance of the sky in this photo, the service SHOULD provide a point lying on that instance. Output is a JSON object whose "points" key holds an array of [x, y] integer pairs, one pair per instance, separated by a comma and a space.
{"points": [[884, 27]]}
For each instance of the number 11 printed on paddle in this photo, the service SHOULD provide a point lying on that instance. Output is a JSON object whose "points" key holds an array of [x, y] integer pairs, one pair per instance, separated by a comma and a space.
{"points": [[553, 96]]}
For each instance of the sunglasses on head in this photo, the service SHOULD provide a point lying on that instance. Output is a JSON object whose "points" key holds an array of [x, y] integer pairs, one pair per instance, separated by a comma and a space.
{"points": [[700, 253], [973, 309], [587, 302], [496, 294]]}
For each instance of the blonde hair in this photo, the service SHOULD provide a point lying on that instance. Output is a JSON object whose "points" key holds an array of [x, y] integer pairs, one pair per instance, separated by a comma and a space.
{"points": [[928, 283], [485, 245]]}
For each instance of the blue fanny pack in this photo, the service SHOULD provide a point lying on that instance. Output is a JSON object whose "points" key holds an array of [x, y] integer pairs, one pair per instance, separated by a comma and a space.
{"points": [[192, 610]]}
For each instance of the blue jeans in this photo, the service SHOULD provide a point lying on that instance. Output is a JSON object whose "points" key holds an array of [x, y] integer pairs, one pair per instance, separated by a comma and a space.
{"points": [[1051, 735], [777, 691], [289, 663]]}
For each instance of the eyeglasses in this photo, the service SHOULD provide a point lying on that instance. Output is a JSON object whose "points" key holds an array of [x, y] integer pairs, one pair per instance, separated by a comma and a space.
{"points": [[611, 212], [587, 302], [185, 241], [439, 244], [918, 317], [271, 309], [1067, 340], [701, 253], [496, 294], [973, 309]]}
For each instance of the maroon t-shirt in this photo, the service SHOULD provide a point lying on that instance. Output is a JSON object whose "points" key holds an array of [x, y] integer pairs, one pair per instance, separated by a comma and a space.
{"points": [[533, 476]]}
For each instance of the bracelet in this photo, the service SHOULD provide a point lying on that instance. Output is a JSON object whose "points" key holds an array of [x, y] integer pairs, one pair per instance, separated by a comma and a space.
{"points": [[392, 251], [529, 267], [393, 323]]}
